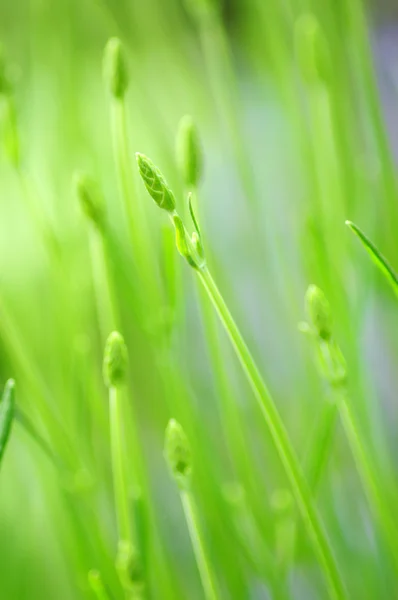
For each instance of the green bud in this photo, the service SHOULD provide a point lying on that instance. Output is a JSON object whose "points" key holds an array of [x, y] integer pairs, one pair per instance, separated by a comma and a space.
{"points": [[130, 569], [115, 68], [318, 312], [155, 183], [189, 153], [312, 50], [177, 453], [7, 410], [90, 198], [115, 360]]}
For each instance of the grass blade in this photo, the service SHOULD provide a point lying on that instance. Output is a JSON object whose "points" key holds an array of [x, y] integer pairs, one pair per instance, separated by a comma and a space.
{"points": [[377, 257], [7, 409]]}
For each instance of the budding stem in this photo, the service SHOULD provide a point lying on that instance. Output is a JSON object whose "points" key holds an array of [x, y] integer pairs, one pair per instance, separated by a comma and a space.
{"points": [[281, 441], [191, 518]]}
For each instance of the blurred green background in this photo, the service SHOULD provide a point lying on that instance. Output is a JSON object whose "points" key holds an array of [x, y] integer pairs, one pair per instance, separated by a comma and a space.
{"points": [[269, 156]]}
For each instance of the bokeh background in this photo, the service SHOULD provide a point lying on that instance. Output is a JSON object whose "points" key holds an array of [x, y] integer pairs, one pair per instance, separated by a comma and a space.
{"points": [[241, 83]]}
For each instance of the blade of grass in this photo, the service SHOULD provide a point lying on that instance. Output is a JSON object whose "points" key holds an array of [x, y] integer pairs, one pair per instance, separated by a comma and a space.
{"points": [[377, 257]]}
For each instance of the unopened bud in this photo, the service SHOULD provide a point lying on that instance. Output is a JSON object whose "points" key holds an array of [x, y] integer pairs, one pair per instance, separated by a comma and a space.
{"points": [[115, 68], [177, 453], [189, 153], [90, 198], [318, 312], [115, 360], [155, 183]]}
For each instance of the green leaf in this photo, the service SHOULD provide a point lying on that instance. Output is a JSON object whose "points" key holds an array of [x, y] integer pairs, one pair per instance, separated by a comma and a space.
{"points": [[7, 409], [376, 256]]}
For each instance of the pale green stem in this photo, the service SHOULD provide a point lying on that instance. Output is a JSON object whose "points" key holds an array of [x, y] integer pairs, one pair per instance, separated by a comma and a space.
{"points": [[102, 286], [198, 547], [319, 450], [118, 465], [43, 401], [142, 246], [281, 441], [223, 84], [367, 474], [43, 227]]}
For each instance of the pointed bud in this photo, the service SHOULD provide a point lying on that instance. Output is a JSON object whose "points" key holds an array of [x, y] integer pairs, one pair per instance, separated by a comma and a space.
{"points": [[177, 453], [115, 360], [115, 68], [318, 312], [7, 409], [90, 198], [189, 153], [312, 50], [155, 183]]}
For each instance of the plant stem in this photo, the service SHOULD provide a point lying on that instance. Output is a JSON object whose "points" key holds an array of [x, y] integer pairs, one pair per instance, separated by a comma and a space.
{"points": [[366, 472], [197, 543], [142, 246], [119, 479], [281, 441], [318, 453]]}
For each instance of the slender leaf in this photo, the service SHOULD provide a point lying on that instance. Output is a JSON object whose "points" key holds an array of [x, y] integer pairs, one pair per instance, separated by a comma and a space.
{"points": [[7, 406], [376, 256]]}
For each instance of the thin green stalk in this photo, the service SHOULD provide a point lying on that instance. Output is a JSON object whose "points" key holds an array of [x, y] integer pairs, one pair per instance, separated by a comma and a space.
{"points": [[196, 539], [223, 84], [142, 246], [319, 449], [332, 366], [41, 397], [281, 440], [118, 466], [106, 309], [366, 471]]}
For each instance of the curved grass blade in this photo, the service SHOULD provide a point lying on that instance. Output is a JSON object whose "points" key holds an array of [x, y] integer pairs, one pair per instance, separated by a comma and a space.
{"points": [[7, 408], [380, 261]]}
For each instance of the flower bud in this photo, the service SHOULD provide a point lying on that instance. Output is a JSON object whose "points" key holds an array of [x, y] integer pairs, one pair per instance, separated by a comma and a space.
{"points": [[115, 360], [177, 453], [318, 312], [189, 153], [155, 183], [115, 68], [90, 198]]}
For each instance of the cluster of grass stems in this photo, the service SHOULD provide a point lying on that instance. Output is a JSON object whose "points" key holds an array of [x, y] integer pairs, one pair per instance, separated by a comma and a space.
{"points": [[263, 485]]}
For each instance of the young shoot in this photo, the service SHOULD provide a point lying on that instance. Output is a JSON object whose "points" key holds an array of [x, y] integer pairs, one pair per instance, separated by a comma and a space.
{"points": [[178, 457], [115, 69], [189, 153]]}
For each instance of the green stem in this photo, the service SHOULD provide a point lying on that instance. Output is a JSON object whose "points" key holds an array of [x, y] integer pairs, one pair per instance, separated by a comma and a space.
{"points": [[197, 543], [119, 479], [142, 247], [319, 450], [366, 472], [281, 441]]}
